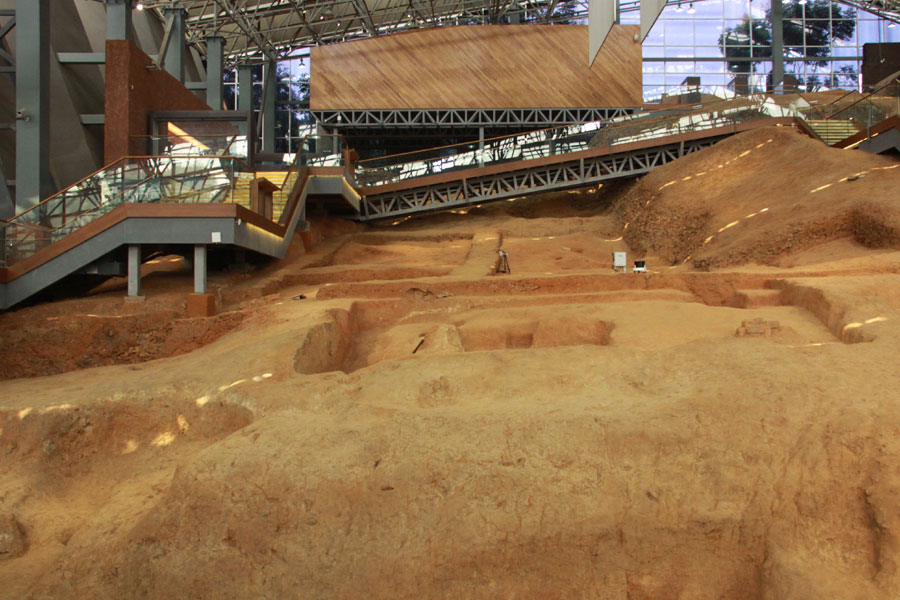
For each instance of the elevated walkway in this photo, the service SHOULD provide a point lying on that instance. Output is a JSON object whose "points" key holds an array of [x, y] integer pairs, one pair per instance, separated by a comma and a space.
{"points": [[556, 158], [164, 202], [172, 202]]}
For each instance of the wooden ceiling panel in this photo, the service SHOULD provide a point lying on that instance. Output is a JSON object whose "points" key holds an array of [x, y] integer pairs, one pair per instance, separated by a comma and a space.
{"points": [[479, 66]]}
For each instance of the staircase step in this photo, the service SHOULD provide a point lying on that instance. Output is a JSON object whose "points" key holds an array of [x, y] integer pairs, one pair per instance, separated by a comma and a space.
{"points": [[833, 131]]}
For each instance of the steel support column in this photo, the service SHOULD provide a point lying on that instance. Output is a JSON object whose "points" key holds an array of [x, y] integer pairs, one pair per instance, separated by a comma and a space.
{"points": [[200, 269], [245, 87], [118, 20], [173, 60], [215, 46], [268, 107], [7, 206], [777, 43], [134, 271], [33, 181], [481, 146]]}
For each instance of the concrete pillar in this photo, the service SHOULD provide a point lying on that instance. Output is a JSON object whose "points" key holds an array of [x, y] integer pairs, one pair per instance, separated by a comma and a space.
{"points": [[173, 61], [268, 107], [134, 272], [33, 180], [245, 87], [200, 304], [200, 269], [215, 59], [777, 43], [118, 20]]}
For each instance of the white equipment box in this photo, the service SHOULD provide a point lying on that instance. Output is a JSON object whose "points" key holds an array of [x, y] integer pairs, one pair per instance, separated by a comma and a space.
{"points": [[619, 260]]}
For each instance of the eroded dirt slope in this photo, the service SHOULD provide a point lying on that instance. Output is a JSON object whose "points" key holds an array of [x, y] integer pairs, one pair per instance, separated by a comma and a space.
{"points": [[762, 195]]}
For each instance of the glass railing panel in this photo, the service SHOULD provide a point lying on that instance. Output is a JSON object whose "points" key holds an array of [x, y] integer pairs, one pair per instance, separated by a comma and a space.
{"points": [[198, 145], [132, 180], [195, 171], [566, 140], [321, 151]]}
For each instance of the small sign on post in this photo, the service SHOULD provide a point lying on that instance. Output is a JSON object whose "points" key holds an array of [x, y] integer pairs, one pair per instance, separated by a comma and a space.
{"points": [[620, 260]]}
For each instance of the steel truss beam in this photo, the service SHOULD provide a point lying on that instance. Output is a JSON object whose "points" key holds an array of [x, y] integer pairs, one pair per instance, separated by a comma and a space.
{"points": [[558, 176], [258, 30], [490, 117]]}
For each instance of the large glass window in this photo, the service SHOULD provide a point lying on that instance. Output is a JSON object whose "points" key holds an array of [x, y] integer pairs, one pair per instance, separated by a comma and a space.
{"points": [[725, 42], [292, 117]]}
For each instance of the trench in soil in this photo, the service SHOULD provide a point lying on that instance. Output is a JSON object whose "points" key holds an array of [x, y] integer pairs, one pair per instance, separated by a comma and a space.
{"points": [[401, 322]]}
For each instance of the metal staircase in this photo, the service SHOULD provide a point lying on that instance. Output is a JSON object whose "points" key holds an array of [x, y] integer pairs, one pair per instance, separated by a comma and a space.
{"points": [[157, 201], [832, 132]]}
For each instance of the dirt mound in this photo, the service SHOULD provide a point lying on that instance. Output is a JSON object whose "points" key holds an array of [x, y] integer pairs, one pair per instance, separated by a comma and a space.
{"points": [[79, 341], [68, 441], [759, 196]]}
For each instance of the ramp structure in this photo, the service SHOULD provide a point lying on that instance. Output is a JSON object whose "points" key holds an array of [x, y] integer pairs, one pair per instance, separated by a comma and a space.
{"points": [[108, 223], [557, 158]]}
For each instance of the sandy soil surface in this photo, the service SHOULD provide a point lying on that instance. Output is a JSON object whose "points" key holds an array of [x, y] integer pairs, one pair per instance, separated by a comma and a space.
{"points": [[387, 417]]}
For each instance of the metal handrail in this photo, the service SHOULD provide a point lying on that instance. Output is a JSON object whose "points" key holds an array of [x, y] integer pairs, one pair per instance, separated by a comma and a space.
{"points": [[622, 132], [627, 119], [113, 165], [866, 97]]}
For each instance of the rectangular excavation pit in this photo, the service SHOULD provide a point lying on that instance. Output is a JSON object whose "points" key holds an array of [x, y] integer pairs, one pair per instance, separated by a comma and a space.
{"points": [[377, 331], [446, 332]]}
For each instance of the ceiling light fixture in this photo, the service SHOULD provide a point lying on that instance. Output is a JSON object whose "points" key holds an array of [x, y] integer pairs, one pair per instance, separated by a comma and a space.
{"points": [[691, 9], [139, 6], [678, 9], [891, 25]]}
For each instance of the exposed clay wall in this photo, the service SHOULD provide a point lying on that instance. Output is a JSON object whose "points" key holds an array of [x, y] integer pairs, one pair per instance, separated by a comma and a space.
{"points": [[133, 91]]}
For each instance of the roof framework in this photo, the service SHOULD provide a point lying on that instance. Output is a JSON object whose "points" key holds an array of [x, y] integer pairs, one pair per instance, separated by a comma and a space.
{"points": [[255, 30]]}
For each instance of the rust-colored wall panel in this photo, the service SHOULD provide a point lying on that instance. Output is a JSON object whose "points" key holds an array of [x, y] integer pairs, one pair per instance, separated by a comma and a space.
{"points": [[478, 66], [880, 61], [133, 91]]}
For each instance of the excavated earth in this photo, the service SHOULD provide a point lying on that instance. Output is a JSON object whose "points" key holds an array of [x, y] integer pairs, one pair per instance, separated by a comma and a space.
{"points": [[388, 417]]}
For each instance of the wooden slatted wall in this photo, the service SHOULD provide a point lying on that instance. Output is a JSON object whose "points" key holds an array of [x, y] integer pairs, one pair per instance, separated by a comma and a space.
{"points": [[478, 66]]}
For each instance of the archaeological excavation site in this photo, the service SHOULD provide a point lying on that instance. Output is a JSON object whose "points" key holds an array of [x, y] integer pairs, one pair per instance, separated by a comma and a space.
{"points": [[476, 324]]}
